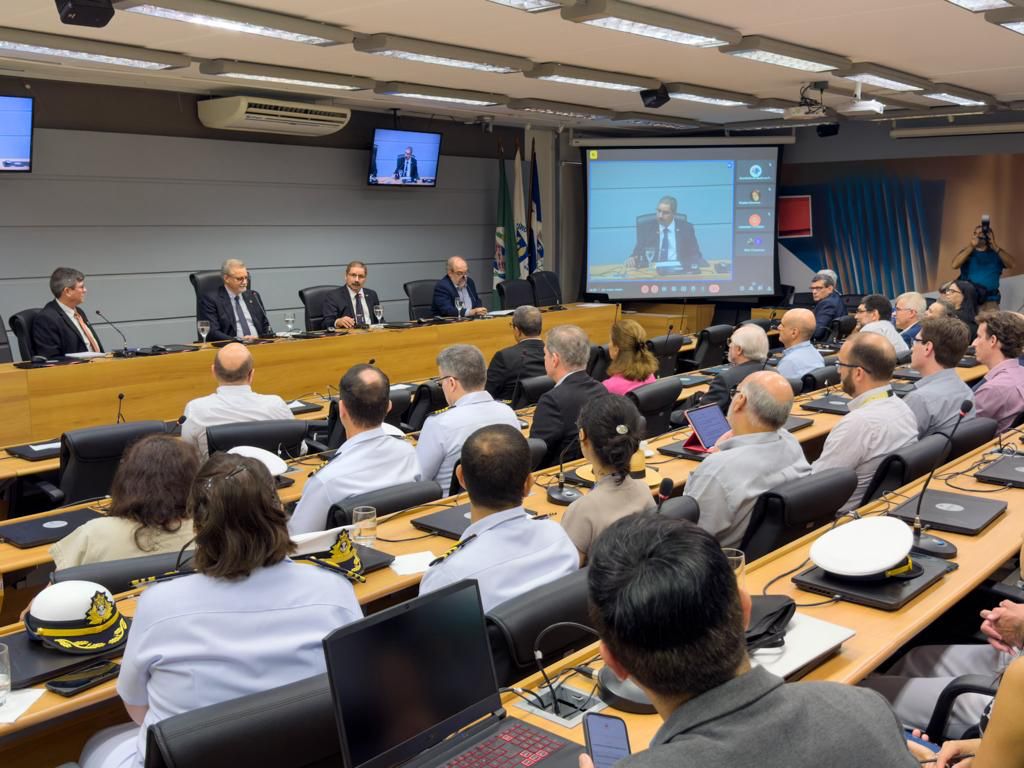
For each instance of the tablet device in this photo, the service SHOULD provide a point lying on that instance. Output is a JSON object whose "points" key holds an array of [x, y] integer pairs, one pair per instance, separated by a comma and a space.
{"points": [[708, 424]]}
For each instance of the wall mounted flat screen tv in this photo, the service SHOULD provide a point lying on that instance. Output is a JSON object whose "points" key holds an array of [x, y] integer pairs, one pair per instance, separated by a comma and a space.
{"points": [[15, 134], [404, 158]]}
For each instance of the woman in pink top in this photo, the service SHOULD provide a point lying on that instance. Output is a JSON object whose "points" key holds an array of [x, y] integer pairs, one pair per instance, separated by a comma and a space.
{"points": [[633, 364]]}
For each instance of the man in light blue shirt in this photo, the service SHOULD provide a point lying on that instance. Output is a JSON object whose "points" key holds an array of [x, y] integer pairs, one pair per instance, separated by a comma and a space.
{"points": [[795, 331], [368, 460]]}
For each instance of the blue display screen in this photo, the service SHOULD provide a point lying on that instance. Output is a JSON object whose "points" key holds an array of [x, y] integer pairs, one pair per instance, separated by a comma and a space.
{"points": [[404, 158], [15, 134]]}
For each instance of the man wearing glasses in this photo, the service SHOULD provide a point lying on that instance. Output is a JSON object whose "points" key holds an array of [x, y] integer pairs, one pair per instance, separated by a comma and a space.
{"points": [[455, 294], [827, 304], [998, 346], [936, 398], [873, 315], [908, 313], [233, 311]]}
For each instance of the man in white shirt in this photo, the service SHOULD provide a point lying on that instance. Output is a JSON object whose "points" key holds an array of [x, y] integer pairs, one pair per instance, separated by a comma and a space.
{"points": [[795, 331], [370, 458], [61, 327], [463, 374], [873, 316], [233, 402], [353, 304]]}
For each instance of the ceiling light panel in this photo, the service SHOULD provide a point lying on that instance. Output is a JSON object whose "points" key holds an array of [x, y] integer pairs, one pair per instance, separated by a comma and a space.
{"points": [[931, 113], [1007, 18], [961, 97], [642, 120], [235, 18], [874, 76], [979, 5], [426, 52], [648, 22], [782, 54], [773, 106], [530, 6], [18, 43], [558, 109], [261, 73], [593, 78], [443, 95], [701, 95]]}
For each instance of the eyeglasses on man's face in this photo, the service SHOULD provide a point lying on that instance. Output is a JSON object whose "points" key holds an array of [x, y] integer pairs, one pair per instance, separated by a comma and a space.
{"points": [[852, 365]]}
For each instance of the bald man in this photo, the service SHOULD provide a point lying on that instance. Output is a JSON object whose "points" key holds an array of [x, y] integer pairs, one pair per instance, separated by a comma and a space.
{"points": [[234, 399], [756, 455], [455, 286], [795, 331]]}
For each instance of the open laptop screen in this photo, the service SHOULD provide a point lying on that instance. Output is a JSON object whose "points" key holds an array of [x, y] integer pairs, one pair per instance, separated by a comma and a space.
{"points": [[406, 678]]}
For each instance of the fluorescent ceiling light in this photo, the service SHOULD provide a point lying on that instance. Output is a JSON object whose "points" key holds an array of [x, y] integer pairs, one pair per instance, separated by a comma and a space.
{"points": [[961, 97], [262, 73], [424, 51], [773, 106], [776, 125], [235, 18], [1008, 18], [643, 120], [594, 78], [558, 109], [648, 22], [875, 76], [687, 92], [18, 41], [931, 113], [769, 51], [956, 130], [444, 95], [980, 5], [530, 6]]}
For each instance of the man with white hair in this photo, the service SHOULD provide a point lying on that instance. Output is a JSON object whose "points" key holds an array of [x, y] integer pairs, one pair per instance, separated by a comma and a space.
{"points": [[233, 311], [748, 349], [907, 314]]}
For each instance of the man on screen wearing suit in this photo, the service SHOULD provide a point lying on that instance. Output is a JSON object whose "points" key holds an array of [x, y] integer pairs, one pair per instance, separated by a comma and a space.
{"points": [[233, 311], [523, 360], [405, 167], [457, 284], [669, 236], [353, 304], [61, 326]]}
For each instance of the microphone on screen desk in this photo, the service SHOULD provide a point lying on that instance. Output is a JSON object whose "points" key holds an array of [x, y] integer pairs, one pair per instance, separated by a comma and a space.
{"points": [[120, 402], [664, 491], [561, 495]]}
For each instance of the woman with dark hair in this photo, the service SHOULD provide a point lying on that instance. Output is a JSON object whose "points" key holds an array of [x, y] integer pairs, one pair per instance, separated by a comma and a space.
{"points": [[609, 436], [147, 509], [633, 364], [963, 297], [249, 620]]}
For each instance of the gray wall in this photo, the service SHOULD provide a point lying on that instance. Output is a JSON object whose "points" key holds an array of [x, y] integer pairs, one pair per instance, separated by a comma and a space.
{"points": [[137, 213]]}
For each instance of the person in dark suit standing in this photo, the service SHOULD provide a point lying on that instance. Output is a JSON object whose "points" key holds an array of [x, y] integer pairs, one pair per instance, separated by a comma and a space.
{"points": [[61, 326], [566, 351], [666, 237], [233, 311], [352, 305], [405, 166], [457, 284], [523, 360]]}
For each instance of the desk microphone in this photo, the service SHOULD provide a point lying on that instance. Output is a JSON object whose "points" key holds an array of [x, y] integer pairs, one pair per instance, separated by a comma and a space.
{"points": [[519, 375], [561, 495], [547, 284], [371, 361], [259, 300], [664, 491], [124, 350], [120, 416]]}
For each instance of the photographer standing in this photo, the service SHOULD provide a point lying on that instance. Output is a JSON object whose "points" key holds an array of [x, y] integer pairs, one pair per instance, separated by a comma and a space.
{"points": [[981, 263]]}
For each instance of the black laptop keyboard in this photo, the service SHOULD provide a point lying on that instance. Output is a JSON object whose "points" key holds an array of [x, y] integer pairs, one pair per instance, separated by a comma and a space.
{"points": [[518, 744]]}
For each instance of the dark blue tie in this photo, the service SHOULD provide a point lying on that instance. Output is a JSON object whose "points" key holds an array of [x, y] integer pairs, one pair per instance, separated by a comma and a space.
{"points": [[246, 330], [360, 319], [663, 255]]}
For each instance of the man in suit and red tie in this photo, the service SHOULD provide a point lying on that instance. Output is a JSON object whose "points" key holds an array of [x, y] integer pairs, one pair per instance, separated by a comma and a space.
{"points": [[61, 326], [234, 311], [351, 305], [666, 237]]}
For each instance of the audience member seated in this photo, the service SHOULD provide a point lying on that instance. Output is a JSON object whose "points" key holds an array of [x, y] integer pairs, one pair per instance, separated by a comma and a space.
{"points": [[504, 549], [754, 456], [632, 363], [462, 375], [748, 350], [455, 286], [353, 303], [999, 344], [368, 460], [878, 422], [908, 313], [207, 637], [671, 619], [523, 360], [233, 311], [233, 402], [827, 303], [610, 434], [937, 396], [61, 326], [799, 357], [566, 351], [941, 308], [961, 295], [873, 317], [147, 512]]}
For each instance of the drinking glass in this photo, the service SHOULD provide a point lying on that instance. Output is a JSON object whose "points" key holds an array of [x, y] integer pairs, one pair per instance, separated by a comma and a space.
{"points": [[738, 562], [459, 306], [204, 329], [289, 321], [364, 521], [5, 673], [378, 312]]}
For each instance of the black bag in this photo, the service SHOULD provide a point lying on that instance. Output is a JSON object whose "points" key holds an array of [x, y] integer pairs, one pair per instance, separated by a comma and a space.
{"points": [[769, 617]]}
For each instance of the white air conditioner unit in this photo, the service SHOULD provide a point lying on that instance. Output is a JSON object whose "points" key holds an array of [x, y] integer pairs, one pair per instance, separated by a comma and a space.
{"points": [[254, 113]]}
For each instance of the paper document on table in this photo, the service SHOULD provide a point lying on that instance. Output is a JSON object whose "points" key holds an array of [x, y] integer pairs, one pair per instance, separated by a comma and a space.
{"points": [[45, 446], [85, 355], [500, 312], [417, 562], [592, 304], [400, 387], [18, 703]]}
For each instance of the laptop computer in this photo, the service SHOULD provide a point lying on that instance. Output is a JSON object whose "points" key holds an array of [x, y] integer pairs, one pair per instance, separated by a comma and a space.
{"points": [[907, 373], [953, 512], [809, 642], [902, 388], [302, 406], [32, 663], [686, 450], [967, 362], [693, 379], [40, 451], [1007, 471], [45, 530], [450, 522], [321, 541], [717, 369], [889, 595], [837, 404], [441, 703]]}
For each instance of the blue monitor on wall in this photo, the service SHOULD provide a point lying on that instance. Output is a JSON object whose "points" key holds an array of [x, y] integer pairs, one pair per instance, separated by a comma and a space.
{"points": [[15, 134], [404, 158]]}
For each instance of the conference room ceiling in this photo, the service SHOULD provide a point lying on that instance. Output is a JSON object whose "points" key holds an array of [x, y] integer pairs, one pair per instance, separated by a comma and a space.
{"points": [[931, 39]]}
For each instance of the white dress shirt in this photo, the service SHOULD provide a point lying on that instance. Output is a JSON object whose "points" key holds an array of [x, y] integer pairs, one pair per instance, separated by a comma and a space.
{"points": [[670, 230], [230, 404], [368, 317], [78, 326], [888, 330]]}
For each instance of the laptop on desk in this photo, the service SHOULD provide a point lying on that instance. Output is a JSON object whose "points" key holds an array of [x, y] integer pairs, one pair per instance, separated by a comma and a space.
{"points": [[44, 449], [45, 530], [809, 643], [450, 523], [953, 512], [1008, 472], [837, 404], [906, 373], [693, 379], [888, 595], [709, 424]]}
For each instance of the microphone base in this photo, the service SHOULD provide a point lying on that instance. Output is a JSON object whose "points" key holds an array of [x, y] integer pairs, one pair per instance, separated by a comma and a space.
{"points": [[932, 546], [564, 496], [623, 695], [554, 308]]}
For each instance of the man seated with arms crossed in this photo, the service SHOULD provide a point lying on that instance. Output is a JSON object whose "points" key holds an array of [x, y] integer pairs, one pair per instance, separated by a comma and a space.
{"points": [[462, 375], [233, 311], [234, 400], [61, 327], [873, 315], [999, 344], [352, 304], [566, 352], [908, 313], [504, 549], [370, 459], [671, 619], [827, 304], [936, 398], [756, 455], [878, 422], [523, 360], [799, 357], [457, 285]]}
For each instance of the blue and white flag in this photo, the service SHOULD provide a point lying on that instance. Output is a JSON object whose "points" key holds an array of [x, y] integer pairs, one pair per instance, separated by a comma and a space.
{"points": [[536, 241]]}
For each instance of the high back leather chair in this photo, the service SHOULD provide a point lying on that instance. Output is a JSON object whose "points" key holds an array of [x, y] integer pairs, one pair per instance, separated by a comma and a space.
{"points": [[538, 450], [666, 349], [681, 508], [385, 501], [598, 362], [761, 322], [902, 466], [819, 378], [547, 291], [429, 398], [207, 281], [21, 326], [515, 293], [971, 434], [528, 391], [840, 328], [655, 402], [312, 299], [421, 298], [712, 345], [89, 457], [282, 437], [117, 575]]}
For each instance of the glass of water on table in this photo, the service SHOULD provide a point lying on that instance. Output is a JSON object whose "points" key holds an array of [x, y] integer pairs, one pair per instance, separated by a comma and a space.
{"points": [[364, 526]]}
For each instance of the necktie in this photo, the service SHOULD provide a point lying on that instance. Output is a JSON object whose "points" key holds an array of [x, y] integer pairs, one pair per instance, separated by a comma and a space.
{"points": [[360, 318], [246, 330], [407, 173], [663, 255], [93, 346]]}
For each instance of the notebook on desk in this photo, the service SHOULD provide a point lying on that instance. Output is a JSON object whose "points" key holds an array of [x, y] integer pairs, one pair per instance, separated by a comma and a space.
{"points": [[32, 663], [44, 449], [906, 373], [45, 530], [809, 642]]}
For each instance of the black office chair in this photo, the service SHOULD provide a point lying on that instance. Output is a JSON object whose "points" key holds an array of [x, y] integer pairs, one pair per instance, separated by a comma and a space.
{"points": [[429, 398], [655, 402], [762, 322], [282, 437], [900, 467], [208, 281], [515, 293], [117, 575], [547, 291], [840, 328], [327, 435], [819, 378], [712, 345], [902, 358], [666, 349], [970, 435], [681, 508], [598, 362], [312, 299], [385, 501], [852, 300], [528, 391], [797, 385], [514, 626], [6, 355], [21, 326], [955, 688], [421, 298], [538, 450], [787, 512]]}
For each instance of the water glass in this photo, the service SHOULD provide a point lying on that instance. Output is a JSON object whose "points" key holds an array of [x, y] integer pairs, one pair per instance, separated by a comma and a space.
{"points": [[5, 673], [738, 562], [204, 329], [289, 321], [459, 306], [364, 522], [378, 312]]}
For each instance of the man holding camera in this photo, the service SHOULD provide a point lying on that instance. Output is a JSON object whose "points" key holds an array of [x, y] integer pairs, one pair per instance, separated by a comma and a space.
{"points": [[981, 263]]}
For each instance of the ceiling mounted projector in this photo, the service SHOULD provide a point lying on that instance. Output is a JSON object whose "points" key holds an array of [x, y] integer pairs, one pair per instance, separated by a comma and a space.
{"points": [[85, 13]]}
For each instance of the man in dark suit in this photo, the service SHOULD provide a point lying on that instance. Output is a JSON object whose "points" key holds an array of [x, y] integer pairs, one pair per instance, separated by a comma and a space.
{"points": [[566, 351], [828, 305], [353, 304], [457, 284], [405, 166], [233, 311], [666, 237], [521, 361], [61, 326]]}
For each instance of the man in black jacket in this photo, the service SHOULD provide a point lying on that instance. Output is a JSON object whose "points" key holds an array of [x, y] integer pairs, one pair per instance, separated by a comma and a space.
{"points": [[352, 304], [233, 311], [828, 305], [523, 360], [61, 326]]}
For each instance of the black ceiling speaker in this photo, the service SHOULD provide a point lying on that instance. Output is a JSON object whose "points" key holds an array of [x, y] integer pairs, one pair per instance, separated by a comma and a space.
{"points": [[824, 131], [85, 13], [654, 97]]}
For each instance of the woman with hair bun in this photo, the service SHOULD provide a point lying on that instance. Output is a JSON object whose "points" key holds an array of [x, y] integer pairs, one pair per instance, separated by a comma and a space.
{"points": [[610, 433], [633, 364]]}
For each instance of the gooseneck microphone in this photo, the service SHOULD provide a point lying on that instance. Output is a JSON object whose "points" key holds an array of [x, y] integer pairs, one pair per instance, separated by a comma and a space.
{"points": [[120, 415], [124, 339], [519, 375], [561, 495], [547, 284], [664, 491], [259, 300]]}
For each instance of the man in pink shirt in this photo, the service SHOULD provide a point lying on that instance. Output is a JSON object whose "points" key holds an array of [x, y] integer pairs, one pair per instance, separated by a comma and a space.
{"points": [[1000, 395]]}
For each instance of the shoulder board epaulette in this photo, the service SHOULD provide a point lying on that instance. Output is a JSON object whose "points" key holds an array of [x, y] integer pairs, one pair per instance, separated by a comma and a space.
{"points": [[452, 550], [148, 580], [441, 410], [351, 575]]}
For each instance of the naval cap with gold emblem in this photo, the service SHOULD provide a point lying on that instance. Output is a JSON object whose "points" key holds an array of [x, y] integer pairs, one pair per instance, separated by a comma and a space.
{"points": [[76, 617]]}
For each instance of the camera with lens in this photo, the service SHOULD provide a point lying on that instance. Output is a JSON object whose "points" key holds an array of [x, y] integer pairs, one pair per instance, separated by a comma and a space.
{"points": [[985, 238]]}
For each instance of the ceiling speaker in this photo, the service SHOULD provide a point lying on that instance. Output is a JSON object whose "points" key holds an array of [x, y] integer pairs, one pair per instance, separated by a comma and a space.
{"points": [[824, 131], [85, 13], [654, 97]]}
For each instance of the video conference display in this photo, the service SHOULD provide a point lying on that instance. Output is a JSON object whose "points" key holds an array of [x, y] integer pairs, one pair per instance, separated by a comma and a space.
{"points": [[404, 158], [15, 134], [670, 222]]}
